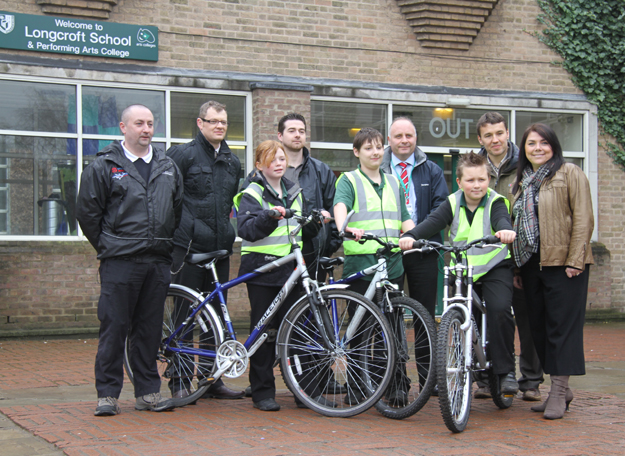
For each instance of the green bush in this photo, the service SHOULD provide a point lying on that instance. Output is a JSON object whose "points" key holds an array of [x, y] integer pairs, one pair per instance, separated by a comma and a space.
{"points": [[590, 37]]}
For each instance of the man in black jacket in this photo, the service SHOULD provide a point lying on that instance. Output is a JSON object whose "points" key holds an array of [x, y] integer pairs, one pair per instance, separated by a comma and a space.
{"points": [[425, 189], [129, 206], [317, 182], [211, 174]]}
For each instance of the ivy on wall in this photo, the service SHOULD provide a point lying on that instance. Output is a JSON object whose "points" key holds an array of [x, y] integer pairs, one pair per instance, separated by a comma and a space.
{"points": [[590, 37]]}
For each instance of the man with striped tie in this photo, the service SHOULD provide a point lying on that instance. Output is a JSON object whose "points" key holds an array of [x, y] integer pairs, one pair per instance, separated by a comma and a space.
{"points": [[425, 189]]}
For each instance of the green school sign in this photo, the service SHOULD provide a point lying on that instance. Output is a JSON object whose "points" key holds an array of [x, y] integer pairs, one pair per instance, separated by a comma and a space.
{"points": [[27, 32]]}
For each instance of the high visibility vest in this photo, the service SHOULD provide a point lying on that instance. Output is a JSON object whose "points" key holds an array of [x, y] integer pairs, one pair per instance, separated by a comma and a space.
{"points": [[277, 243], [375, 215], [461, 232]]}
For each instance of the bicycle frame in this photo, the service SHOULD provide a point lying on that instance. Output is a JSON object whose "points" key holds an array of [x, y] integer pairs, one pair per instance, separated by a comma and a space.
{"points": [[464, 302], [257, 336]]}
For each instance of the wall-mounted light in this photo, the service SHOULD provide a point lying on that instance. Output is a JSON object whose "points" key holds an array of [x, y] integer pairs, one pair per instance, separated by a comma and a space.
{"points": [[458, 102], [352, 132], [443, 113]]}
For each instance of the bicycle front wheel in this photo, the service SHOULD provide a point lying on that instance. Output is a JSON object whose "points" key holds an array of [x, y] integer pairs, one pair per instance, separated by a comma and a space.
{"points": [[454, 379], [415, 341], [361, 356], [182, 375]]}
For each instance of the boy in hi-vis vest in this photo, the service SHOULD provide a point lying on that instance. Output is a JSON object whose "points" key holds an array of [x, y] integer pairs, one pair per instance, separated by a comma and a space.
{"points": [[472, 212], [380, 208]]}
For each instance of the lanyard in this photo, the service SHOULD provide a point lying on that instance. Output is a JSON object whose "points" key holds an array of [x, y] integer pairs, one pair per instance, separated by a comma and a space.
{"points": [[405, 187]]}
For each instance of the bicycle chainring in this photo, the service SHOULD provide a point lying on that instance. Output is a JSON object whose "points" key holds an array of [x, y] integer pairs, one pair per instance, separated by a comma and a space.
{"points": [[232, 355]]}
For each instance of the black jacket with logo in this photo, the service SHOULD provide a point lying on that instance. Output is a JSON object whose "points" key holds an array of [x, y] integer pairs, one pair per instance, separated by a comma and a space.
{"points": [[210, 184], [121, 214]]}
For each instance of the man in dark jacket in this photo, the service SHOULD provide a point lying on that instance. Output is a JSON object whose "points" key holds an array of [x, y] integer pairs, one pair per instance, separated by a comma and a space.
{"points": [[211, 174], [425, 188], [129, 206], [503, 156]]}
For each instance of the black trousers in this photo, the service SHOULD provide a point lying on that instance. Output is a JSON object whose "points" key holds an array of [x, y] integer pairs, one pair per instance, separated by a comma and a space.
{"points": [[131, 304], [556, 306], [529, 364], [421, 270], [262, 380], [199, 279], [495, 288]]}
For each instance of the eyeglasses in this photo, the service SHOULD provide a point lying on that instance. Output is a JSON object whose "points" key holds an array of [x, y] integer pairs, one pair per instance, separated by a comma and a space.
{"points": [[215, 122]]}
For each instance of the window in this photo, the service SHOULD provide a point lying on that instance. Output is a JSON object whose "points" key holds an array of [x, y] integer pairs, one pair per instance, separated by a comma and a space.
{"points": [[442, 132], [50, 130]]}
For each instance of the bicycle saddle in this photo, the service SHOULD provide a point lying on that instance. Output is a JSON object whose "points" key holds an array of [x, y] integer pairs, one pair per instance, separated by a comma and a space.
{"points": [[203, 258], [329, 263]]}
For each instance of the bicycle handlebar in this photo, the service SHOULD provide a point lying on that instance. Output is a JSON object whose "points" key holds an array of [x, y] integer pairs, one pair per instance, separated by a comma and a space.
{"points": [[425, 246]]}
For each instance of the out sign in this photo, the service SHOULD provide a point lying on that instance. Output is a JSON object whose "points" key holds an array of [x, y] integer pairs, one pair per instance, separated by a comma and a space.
{"points": [[450, 127]]}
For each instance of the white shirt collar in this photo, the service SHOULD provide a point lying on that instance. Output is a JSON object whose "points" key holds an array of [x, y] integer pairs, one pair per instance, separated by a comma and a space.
{"points": [[133, 158], [396, 161]]}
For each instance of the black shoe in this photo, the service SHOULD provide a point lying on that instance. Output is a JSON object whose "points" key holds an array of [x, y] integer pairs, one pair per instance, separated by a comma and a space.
{"points": [[353, 397], [248, 391], [334, 387], [222, 392], [397, 398], [508, 383], [267, 405]]}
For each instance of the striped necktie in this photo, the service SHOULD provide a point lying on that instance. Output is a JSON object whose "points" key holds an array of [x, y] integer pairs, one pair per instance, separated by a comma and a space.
{"points": [[404, 178]]}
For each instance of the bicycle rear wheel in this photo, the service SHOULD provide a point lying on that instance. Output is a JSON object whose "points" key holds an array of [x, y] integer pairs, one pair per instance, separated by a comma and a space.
{"points": [[180, 371], [454, 379], [361, 356], [415, 341]]}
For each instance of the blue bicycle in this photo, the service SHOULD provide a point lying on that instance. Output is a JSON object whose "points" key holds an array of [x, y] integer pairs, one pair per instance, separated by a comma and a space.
{"points": [[317, 336]]}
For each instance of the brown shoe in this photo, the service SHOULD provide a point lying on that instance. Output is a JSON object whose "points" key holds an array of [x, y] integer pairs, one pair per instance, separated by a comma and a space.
{"points": [[222, 392], [482, 392], [532, 395]]}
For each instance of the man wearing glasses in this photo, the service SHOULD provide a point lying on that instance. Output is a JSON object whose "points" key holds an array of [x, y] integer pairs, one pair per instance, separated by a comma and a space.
{"points": [[211, 175]]}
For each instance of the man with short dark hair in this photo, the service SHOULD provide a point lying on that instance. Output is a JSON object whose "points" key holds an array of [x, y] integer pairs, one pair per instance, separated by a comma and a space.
{"points": [[129, 206], [211, 174], [503, 156], [317, 181]]}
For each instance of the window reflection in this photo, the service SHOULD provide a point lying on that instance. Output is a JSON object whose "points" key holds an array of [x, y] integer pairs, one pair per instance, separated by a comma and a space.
{"points": [[37, 107], [185, 108], [339, 122], [568, 127], [38, 186]]}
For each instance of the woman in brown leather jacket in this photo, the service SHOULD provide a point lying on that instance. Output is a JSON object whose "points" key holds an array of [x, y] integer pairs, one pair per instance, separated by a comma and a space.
{"points": [[553, 219]]}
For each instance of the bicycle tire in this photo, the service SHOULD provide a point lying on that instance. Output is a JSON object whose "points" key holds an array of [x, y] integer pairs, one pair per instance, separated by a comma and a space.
{"points": [[415, 369], [454, 379], [178, 371], [363, 360], [502, 401]]}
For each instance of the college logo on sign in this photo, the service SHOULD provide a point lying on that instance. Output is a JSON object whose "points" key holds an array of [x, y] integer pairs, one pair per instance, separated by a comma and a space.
{"points": [[7, 22], [145, 36]]}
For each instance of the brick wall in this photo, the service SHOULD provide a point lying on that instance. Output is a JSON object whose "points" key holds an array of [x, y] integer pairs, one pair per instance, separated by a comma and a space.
{"points": [[364, 40]]}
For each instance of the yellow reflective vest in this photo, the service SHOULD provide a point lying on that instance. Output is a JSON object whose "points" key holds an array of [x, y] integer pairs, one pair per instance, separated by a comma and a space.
{"points": [[277, 243], [461, 232], [375, 215]]}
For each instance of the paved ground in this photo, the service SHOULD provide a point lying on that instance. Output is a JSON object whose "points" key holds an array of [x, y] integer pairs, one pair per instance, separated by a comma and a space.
{"points": [[47, 402]]}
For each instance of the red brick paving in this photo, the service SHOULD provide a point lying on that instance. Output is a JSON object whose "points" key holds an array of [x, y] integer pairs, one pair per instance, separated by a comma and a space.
{"points": [[595, 425]]}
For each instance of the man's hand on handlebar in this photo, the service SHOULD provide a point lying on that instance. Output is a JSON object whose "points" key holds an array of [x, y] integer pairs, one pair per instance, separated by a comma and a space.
{"points": [[406, 243], [327, 216], [506, 236]]}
